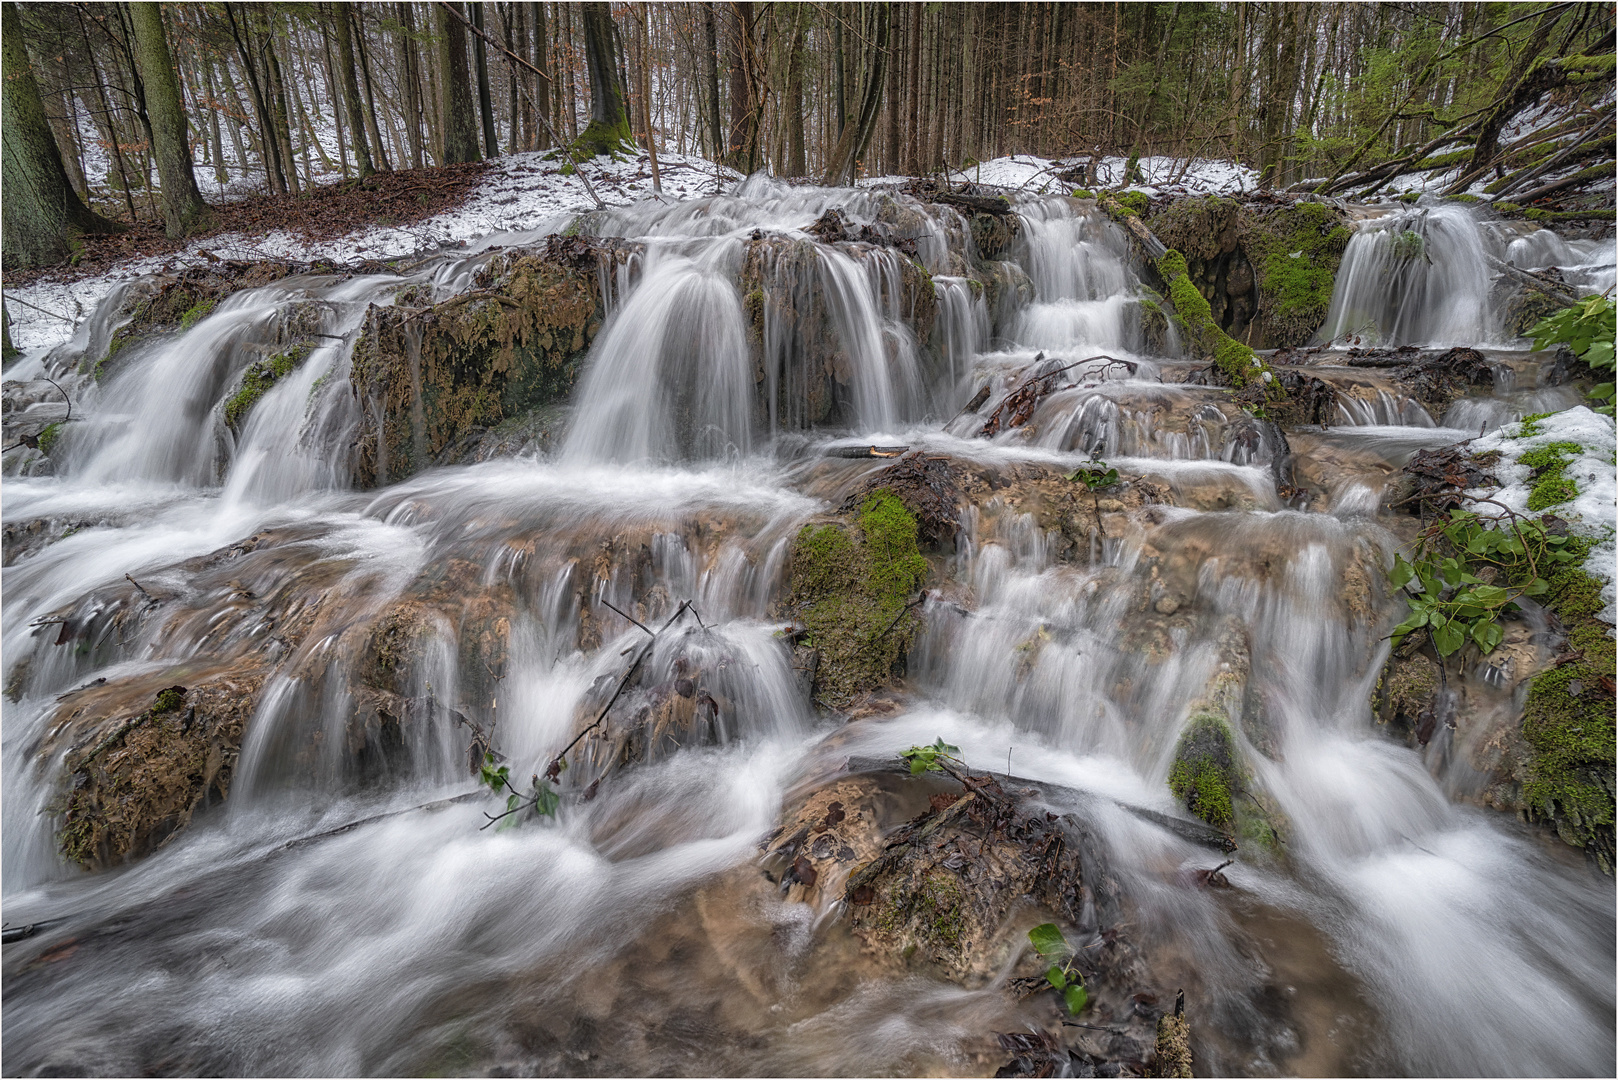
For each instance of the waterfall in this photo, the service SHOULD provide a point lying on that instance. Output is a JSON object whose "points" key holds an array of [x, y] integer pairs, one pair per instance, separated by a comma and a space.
{"points": [[345, 904], [1417, 276]]}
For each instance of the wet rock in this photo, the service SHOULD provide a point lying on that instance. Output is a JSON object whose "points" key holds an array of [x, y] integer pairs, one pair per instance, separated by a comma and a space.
{"points": [[181, 299], [852, 582], [136, 778], [793, 326], [837, 829], [428, 378]]}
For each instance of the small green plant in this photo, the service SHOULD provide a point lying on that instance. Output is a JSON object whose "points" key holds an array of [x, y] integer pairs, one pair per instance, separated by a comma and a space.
{"points": [[1094, 476], [1062, 976], [1551, 485], [1444, 584], [541, 800], [1588, 329], [924, 759]]}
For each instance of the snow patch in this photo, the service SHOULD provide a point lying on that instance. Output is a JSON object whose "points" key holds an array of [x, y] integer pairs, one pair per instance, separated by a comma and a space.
{"points": [[520, 193], [1592, 512]]}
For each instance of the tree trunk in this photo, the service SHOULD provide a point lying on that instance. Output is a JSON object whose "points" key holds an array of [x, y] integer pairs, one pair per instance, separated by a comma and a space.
{"points": [[351, 91], [797, 159], [857, 135], [542, 87], [741, 144], [608, 131], [480, 56], [43, 215], [459, 136], [379, 150], [184, 211]]}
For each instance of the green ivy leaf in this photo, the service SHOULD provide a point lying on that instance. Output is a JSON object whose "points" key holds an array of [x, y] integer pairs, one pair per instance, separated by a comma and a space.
{"points": [[1077, 997], [1048, 939], [1448, 639], [1056, 977], [1487, 635]]}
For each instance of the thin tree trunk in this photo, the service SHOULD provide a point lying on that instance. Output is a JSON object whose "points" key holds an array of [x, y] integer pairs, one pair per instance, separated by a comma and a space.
{"points": [[351, 90]]}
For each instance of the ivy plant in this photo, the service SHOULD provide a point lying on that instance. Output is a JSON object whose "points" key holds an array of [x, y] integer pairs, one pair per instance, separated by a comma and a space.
{"points": [[1450, 580], [541, 800], [1587, 329], [1063, 977], [924, 759]]}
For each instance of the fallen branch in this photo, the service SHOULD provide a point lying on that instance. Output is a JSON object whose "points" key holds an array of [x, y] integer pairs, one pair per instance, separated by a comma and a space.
{"points": [[1533, 281], [554, 769]]}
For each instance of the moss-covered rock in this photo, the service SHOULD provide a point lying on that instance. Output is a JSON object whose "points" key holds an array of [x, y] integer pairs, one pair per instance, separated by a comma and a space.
{"points": [[850, 582], [257, 380], [138, 783], [1568, 724], [1266, 269], [427, 377], [179, 301], [1205, 774], [1172, 1055], [1295, 252]]}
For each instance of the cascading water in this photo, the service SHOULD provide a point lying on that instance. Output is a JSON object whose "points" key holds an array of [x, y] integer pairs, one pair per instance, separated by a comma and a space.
{"points": [[380, 635]]}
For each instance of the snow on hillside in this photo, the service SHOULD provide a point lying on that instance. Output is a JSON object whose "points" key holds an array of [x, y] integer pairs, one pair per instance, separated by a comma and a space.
{"points": [[521, 193]]}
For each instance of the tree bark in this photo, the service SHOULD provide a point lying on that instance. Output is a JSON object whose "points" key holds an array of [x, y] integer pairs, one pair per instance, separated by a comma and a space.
{"points": [[43, 215], [857, 135], [710, 64], [608, 131], [351, 91], [459, 135], [480, 55]]}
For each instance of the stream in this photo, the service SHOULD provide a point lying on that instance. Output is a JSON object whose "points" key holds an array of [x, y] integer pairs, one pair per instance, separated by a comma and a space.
{"points": [[1394, 928]]}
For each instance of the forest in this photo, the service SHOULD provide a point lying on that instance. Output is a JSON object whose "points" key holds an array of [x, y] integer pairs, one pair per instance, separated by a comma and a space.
{"points": [[124, 113]]}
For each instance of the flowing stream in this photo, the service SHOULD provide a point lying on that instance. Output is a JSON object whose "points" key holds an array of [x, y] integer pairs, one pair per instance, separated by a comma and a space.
{"points": [[1403, 930]]}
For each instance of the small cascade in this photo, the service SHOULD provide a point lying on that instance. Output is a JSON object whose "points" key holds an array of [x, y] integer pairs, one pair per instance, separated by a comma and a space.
{"points": [[1077, 262], [1415, 276], [671, 377]]}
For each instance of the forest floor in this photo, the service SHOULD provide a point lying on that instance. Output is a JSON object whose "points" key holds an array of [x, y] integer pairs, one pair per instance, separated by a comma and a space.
{"points": [[388, 216]]}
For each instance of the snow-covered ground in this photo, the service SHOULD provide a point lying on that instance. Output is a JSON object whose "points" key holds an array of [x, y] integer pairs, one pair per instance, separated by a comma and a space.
{"points": [[519, 193], [1160, 175], [1591, 513]]}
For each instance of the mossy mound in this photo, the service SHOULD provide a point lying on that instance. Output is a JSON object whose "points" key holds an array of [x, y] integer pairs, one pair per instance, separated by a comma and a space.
{"points": [[850, 583], [1205, 774], [941, 891], [1265, 267], [143, 780], [428, 377], [180, 301], [1568, 723], [257, 380], [1173, 1050]]}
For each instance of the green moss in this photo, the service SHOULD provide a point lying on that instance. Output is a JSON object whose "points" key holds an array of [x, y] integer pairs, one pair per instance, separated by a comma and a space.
{"points": [[1464, 198], [196, 313], [850, 587], [1507, 207], [1408, 245], [1551, 486], [613, 140], [1199, 331], [1528, 426], [1083, 193], [1443, 161], [1136, 202], [1295, 253], [1568, 718], [258, 379], [1204, 773], [48, 437], [1410, 196], [169, 700]]}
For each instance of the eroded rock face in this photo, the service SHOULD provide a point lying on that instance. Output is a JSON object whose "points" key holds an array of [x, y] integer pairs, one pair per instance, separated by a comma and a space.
{"points": [[429, 377], [1265, 264], [133, 787]]}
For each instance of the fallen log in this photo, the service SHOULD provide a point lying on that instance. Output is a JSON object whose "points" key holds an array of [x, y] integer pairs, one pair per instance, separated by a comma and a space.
{"points": [[1533, 281]]}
